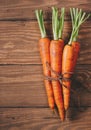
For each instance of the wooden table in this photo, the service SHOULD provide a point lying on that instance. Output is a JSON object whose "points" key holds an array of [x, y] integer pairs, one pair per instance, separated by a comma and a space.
{"points": [[23, 100]]}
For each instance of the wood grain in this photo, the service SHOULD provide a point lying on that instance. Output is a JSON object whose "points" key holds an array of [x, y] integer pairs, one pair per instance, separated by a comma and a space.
{"points": [[22, 86], [42, 118], [25, 9], [19, 42], [23, 100]]}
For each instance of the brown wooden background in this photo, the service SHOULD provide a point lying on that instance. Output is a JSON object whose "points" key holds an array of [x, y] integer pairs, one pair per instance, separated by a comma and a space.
{"points": [[23, 101]]}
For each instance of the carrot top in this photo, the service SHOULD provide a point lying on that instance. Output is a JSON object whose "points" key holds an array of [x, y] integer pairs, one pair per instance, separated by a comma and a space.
{"points": [[39, 15], [78, 17], [57, 23]]}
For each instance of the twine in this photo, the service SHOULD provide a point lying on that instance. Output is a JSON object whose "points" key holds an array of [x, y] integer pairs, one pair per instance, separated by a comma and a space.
{"points": [[61, 78]]}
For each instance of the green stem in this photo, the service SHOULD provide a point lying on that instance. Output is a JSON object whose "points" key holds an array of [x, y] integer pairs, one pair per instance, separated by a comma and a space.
{"points": [[78, 17], [61, 23], [57, 23], [39, 15]]}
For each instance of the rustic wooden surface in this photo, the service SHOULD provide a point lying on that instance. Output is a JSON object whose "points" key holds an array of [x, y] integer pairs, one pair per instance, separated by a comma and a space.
{"points": [[23, 101]]}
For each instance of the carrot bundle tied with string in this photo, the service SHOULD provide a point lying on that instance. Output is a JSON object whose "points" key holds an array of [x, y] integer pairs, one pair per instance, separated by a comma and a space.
{"points": [[71, 51], [44, 47], [61, 59], [56, 49]]}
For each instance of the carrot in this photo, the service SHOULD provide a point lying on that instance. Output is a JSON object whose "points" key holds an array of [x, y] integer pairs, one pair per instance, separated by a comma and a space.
{"points": [[56, 49], [44, 47], [70, 55], [70, 52], [67, 66]]}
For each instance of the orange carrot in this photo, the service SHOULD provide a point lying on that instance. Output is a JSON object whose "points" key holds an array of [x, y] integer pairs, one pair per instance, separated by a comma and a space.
{"points": [[67, 66], [70, 55], [56, 49], [70, 52], [44, 47]]}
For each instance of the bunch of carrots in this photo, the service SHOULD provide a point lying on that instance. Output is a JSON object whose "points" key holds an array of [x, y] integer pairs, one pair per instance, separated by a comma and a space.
{"points": [[61, 59]]}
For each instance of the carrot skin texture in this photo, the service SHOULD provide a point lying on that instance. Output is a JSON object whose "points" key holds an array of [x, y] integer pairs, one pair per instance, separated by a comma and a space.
{"points": [[44, 47], [76, 47], [67, 66], [56, 49]]}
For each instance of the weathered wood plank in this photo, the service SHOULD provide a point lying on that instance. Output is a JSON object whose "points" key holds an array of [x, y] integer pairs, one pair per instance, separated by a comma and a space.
{"points": [[23, 86], [19, 42], [24, 9], [42, 118]]}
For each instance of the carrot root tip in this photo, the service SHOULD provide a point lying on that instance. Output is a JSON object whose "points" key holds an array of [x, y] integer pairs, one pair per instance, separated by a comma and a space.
{"points": [[54, 111], [66, 107]]}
